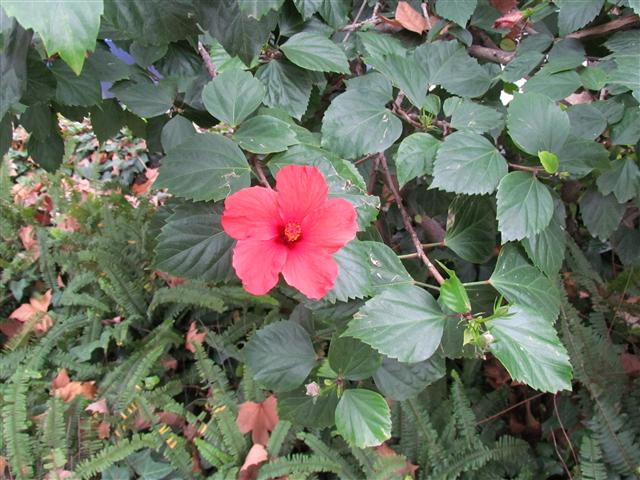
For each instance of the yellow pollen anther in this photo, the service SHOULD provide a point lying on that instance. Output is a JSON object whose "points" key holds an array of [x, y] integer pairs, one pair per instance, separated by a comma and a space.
{"points": [[292, 231]]}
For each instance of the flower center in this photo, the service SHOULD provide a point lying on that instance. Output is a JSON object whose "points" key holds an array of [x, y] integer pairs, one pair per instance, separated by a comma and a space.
{"points": [[292, 232]]}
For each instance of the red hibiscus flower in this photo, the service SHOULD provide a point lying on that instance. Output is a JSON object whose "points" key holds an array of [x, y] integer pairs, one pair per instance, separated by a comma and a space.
{"points": [[294, 229]]}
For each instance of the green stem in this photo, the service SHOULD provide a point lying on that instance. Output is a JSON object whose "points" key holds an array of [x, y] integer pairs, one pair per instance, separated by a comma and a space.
{"points": [[426, 285], [476, 284]]}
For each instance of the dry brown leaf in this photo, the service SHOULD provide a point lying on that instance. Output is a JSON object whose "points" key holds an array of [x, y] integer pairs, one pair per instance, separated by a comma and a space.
{"points": [[509, 20], [104, 430], [258, 418], [630, 364], [256, 457], [64, 388], [504, 6], [410, 18], [99, 406], [193, 336], [409, 468], [141, 188], [29, 242], [37, 306]]}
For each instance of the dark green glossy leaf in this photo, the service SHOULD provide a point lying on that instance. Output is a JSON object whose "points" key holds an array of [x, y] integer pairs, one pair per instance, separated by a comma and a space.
{"points": [[471, 228], [601, 214], [265, 134], [313, 51], [352, 359], [232, 96], [401, 381], [415, 156]]}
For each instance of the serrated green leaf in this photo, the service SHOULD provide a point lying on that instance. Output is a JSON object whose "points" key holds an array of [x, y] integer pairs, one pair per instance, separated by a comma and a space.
{"points": [[315, 52], [556, 86], [546, 249], [193, 245], [536, 123], [521, 65], [280, 356], [176, 131], [145, 99], [627, 130], [71, 89], [471, 116], [549, 161], [601, 214], [411, 334], [232, 96], [13, 65], [401, 381], [523, 284], [204, 167], [415, 156], [356, 124], [353, 359], [259, 8], [265, 134], [471, 228], [586, 121], [623, 180], [405, 73], [363, 418], [287, 86], [525, 206], [529, 348], [575, 14], [458, 11], [468, 163], [301, 409], [580, 156], [73, 32]]}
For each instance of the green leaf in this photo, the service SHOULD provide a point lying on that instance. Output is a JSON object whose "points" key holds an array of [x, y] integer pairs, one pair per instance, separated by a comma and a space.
{"points": [[549, 161], [523, 284], [586, 120], [107, 119], [193, 245], [265, 134], [471, 228], [280, 356], [471, 116], [529, 348], [356, 124], [575, 14], [525, 206], [449, 65], [546, 249], [353, 359], [627, 130], [205, 167], [623, 180], [601, 214], [83, 90], [556, 86], [307, 7], [259, 8], [147, 467], [238, 33], [145, 99], [405, 73], [301, 409], [287, 86], [343, 180], [468, 163], [521, 65], [232, 96], [579, 156], [363, 418], [13, 66], [458, 11], [415, 157], [453, 295], [411, 334], [48, 152], [66, 28], [536, 123], [401, 381], [313, 51], [176, 131]]}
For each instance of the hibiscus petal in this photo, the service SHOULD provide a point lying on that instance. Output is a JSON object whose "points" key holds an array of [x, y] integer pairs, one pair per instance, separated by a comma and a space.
{"points": [[251, 213], [301, 190], [258, 263], [311, 270], [332, 226]]}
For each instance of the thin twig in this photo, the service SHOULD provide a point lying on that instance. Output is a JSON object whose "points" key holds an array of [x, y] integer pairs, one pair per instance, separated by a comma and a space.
{"points": [[407, 222], [425, 246], [373, 19], [257, 166], [524, 168], [613, 25], [494, 55], [564, 431], [211, 68], [355, 20], [508, 409], [564, 464]]}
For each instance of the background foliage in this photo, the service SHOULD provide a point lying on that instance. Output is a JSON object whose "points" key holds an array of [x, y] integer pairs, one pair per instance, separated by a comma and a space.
{"points": [[489, 148]]}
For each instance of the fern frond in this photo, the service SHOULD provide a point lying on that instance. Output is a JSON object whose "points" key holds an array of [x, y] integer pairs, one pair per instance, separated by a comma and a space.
{"points": [[278, 437], [114, 453], [14, 424], [299, 464], [192, 293], [323, 451], [591, 466]]}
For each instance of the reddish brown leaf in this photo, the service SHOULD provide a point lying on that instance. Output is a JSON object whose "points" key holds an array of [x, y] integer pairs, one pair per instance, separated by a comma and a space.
{"points": [[409, 468], [67, 390], [504, 6], [630, 364], [258, 418], [509, 20], [29, 242], [256, 457], [193, 336], [99, 406], [141, 188], [104, 430], [410, 19], [37, 306]]}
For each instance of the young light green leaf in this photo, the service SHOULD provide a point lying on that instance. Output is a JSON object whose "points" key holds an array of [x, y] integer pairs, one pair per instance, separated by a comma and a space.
{"points": [[529, 348], [521, 283], [415, 156], [549, 161], [411, 334], [232, 96], [453, 295], [280, 356], [204, 167], [315, 52], [363, 418], [536, 123], [525, 206], [265, 134], [468, 163]]}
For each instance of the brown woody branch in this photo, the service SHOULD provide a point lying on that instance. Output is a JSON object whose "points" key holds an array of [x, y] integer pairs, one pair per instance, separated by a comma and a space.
{"points": [[613, 25], [211, 68], [494, 55], [257, 166], [406, 219]]}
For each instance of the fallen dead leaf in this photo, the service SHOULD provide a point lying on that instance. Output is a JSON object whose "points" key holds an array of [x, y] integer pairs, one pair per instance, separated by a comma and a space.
{"points": [[410, 18], [258, 418], [29, 242], [193, 336], [630, 364], [409, 468], [504, 6], [141, 188], [99, 406], [37, 306], [64, 388], [256, 457]]}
